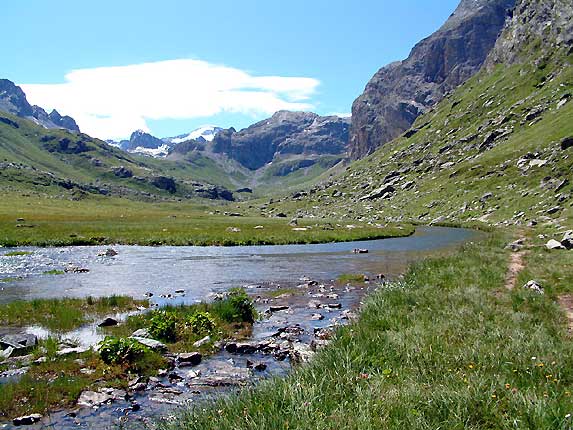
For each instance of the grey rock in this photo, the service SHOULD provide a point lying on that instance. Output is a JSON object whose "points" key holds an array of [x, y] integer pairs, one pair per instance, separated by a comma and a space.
{"points": [[20, 343], [203, 341], [108, 322], [534, 286], [189, 358], [150, 343], [27, 420], [553, 244]]}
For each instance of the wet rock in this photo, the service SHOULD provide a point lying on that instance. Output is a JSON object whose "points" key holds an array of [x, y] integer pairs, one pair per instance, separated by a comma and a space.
{"points": [[202, 342], [260, 366], [108, 253], [189, 359], [278, 308], [27, 420], [179, 291], [314, 304], [334, 306], [75, 269], [323, 333], [6, 353], [108, 322], [94, 399], [300, 353], [20, 343], [316, 317], [553, 244], [534, 286], [150, 343]]}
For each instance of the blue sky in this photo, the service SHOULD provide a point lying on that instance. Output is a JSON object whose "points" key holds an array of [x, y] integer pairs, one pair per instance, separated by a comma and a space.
{"points": [[182, 64]]}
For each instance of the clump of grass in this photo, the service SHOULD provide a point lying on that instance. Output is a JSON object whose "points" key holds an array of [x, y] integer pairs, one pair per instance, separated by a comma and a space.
{"points": [[17, 253], [351, 278], [442, 349], [62, 314], [54, 272]]}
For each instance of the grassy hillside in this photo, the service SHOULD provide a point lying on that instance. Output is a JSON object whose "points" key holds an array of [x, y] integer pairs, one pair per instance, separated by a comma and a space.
{"points": [[490, 152]]}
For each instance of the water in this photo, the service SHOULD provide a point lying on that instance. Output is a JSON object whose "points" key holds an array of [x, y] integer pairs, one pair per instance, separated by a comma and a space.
{"points": [[203, 270]]}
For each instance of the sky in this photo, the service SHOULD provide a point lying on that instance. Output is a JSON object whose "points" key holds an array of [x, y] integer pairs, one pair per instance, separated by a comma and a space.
{"points": [[169, 67]]}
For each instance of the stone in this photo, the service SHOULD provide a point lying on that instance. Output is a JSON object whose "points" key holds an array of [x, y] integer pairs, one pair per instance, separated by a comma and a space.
{"points": [[108, 322], [94, 399], [566, 142], [108, 253], [300, 353], [334, 306], [68, 351], [75, 269], [553, 244], [21, 343], [202, 342], [189, 358], [534, 286], [278, 308], [142, 332], [516, 245], [567, 240], [27, 420], [316, 317], [150, 343]]}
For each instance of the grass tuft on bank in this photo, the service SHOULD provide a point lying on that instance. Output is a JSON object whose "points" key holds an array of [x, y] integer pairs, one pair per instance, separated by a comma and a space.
{"points": [[448, 347]]}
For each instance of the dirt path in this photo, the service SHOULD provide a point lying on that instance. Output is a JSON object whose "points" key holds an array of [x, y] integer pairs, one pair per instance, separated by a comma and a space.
{"points": [[516, 265]]}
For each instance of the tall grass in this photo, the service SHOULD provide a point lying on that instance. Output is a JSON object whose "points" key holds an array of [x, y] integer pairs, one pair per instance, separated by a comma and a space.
{"points": [[444, 349]]}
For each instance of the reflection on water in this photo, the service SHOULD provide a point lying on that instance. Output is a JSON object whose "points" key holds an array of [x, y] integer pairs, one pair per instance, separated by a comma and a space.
{"points": [[202, 270]]}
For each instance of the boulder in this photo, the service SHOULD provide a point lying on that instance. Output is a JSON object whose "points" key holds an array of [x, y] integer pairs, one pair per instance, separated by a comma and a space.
{"points": [[534, 286], [142, 332], [202, 342], [108, 322], [567, 142], [20, 343], [150, 343], [567, 240], [189, 358], [553, 244], [27, 420]]}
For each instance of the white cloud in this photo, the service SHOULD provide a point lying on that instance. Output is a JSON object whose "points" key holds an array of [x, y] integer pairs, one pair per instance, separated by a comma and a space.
{"points": [[111, 102]]}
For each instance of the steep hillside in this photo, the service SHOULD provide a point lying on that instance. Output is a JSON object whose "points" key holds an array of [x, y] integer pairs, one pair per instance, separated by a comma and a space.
{"points": [[60, 163], [497, 150], [400, 92]]}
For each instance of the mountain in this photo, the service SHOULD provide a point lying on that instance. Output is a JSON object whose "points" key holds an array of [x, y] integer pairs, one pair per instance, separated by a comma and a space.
{"points": [[205, 133], [141, 142], [13, 101], [497, 150], [287, 149], [400, 92]]}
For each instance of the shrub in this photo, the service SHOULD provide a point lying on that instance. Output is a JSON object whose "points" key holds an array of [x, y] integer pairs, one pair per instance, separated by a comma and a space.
{"points": [[237, 306], [163, 326], [115, 350], [201, 323]]}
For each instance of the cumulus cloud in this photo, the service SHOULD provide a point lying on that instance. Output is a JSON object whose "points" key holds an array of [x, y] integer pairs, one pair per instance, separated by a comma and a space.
{"points": [[111, 102]]}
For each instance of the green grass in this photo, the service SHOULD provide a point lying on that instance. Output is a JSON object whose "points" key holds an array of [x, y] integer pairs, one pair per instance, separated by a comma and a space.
{"points": [[54, 272], [351, 277], [446, 348], [17, 253], [112, 220], [64, 314]]}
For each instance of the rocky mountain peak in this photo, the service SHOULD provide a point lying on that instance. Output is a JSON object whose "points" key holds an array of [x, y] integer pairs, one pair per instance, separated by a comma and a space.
{"points": [[398, 93], [13, 100]]}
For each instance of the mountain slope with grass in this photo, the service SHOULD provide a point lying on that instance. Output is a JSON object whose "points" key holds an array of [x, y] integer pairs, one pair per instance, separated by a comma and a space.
{"points": [[497, 150]]}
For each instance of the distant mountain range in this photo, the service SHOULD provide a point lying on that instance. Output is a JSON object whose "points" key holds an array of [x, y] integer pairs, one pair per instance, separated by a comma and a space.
{"points": [[13, 100]]}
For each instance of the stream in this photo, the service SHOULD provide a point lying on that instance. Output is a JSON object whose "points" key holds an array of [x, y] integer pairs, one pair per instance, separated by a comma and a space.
{"points": [[198, 273]]}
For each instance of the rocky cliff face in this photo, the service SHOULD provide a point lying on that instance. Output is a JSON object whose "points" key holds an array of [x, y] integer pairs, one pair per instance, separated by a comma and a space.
{"points": [[13, 100], [141, 139], [543, 26], [401, 91], [285, 133]]}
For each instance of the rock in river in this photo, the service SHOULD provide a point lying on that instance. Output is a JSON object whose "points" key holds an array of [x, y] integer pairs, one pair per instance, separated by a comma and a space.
{"points": [[27, 420], [108, 322]]}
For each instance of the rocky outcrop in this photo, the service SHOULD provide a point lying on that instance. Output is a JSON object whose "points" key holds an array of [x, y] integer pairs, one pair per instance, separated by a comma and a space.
{"points": [[285, 133], [141, 139], [544, 25], [13, 100], [401, 91]]}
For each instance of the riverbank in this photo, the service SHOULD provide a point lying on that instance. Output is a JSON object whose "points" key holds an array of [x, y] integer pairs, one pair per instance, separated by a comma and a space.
{"points": [[120, 221], [448, 347]]}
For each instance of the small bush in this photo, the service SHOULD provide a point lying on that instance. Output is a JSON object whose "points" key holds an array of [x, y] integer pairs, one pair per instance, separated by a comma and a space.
{"points": [[163, 326], [236, 307], [117, 350], [201, 323]]}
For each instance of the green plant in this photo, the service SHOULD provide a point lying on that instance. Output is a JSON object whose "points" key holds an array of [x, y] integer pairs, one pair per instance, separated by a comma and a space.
{"points": [[163, 326], [237, 306], [201, 323], [114, 350]]}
